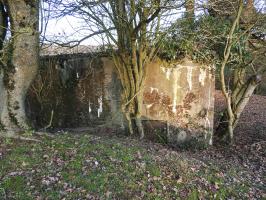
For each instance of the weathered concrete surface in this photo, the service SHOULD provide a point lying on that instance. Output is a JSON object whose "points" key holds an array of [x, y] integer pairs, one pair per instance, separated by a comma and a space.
{"points": [[182, 94], [84, 90]]}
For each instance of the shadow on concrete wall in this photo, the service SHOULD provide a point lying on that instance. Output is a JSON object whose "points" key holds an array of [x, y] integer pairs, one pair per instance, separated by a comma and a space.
{"points": [[71, 88]]}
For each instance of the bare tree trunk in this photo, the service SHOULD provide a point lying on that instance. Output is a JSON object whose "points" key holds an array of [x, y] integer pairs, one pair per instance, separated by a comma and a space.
{"points": [[238, 97], [138, 119], [131, 76], [229, 116], [23, 63], [4, 116], [132, 56], [228, 123], [241, 101]]}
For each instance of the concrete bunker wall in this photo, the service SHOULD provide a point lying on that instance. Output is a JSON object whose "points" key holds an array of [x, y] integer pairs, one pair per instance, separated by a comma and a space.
{"points": [[84, 90], [182, 94]]}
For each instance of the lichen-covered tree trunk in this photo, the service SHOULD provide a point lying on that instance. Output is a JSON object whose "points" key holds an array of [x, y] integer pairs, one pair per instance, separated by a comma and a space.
{"points": [[132, 78], [4, 115], [22, 60], [6, 123], [132, 21]]}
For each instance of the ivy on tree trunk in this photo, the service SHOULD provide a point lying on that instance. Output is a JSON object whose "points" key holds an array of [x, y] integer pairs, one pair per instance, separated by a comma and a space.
{"points": [[20, 68]]}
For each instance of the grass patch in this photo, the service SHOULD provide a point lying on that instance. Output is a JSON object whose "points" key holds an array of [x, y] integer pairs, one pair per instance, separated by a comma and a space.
{"points": [[85, 166]]}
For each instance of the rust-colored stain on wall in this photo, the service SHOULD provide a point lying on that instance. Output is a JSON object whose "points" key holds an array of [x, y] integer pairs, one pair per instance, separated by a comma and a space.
{"points": [[183, 95]]}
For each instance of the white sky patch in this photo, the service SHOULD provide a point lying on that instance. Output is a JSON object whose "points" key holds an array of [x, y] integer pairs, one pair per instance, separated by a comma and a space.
{"points": [[73, 27], [70, 28]]}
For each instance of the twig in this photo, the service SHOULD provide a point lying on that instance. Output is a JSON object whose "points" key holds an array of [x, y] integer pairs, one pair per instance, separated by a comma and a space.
{"points": [[51, 120], [133, 97]]}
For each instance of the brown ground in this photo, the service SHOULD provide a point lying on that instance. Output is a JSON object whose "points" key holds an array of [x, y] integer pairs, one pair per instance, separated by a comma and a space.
{"points": [[252, 125], [249, 149], [250, 134]]}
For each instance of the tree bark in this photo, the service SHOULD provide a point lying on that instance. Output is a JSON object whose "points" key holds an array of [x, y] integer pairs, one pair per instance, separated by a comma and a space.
{"points": [[131, 76], [23, 60], [230, 117], [227, 124], [241, 101], [4, 115], [133, 55]]}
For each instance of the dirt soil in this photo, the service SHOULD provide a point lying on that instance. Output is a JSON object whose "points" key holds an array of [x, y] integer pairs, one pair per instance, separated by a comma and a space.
{"points": [[249, 149]]}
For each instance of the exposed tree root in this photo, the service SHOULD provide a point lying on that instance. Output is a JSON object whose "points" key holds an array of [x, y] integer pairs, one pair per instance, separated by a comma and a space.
{"points": [[13, 135]]}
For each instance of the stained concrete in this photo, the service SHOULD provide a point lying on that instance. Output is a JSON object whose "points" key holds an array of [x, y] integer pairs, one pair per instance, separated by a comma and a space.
{"points": [[181, 94], [84, 90]]}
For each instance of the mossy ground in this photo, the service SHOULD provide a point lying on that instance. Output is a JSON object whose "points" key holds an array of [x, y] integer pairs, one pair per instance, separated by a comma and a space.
{"points": [[84, 166]]}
